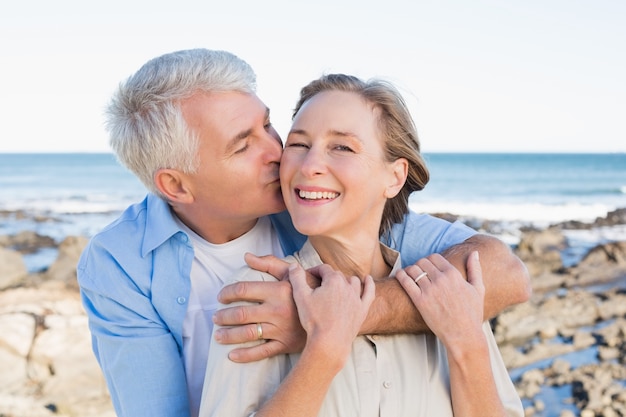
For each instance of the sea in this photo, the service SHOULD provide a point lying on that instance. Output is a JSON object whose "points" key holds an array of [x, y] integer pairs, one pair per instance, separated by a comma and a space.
{"points": [[79, 193]]}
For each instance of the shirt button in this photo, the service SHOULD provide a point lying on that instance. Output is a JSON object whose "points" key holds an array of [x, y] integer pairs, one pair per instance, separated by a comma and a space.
{"points": [[181, 300], [387, 384]]}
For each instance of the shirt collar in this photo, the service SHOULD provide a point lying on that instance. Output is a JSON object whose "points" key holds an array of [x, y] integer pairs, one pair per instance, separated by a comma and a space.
{"points": [[160, 224], [308, 257]]}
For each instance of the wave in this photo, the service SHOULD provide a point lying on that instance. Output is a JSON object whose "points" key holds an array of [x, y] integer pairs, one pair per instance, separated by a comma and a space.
{"points": [[536, 214], [582, 192], [71, 204]]}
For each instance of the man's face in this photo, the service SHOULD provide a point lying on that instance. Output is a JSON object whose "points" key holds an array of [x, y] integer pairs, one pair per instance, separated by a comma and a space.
{"points": [[239, 152]]}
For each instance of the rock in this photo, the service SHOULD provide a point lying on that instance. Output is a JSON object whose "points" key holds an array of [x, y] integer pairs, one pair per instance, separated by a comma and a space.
{"points": [[549, 332], [56, 352], [612, 218], [541, 250], [48, 367], [530, 383], [27, 241], [12, 268], [603, 263], [582, 340], [64, 268], [606, 353]]}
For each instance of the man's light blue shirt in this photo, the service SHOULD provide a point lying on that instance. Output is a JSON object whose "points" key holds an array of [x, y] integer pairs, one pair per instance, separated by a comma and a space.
{"points": [[134, 279]]}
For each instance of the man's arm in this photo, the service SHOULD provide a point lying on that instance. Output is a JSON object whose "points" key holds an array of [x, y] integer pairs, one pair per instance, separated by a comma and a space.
{"points": [[139, 360], [505, 276], [138, 355]]}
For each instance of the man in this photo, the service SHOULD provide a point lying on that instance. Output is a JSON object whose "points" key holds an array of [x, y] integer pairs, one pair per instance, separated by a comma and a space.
{"points": [[191, 127]]}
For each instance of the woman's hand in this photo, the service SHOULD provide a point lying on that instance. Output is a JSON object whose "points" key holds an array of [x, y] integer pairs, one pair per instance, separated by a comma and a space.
{"points": [[451, 306], [332, 313]]}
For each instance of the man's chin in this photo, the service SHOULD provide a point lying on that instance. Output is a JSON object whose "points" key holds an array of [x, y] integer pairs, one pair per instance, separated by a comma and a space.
{"points": [[277, 207]]}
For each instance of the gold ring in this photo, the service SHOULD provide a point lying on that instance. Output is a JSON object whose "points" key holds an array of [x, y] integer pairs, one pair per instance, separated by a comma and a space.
{"points": [[420, 276], [259, 331]]}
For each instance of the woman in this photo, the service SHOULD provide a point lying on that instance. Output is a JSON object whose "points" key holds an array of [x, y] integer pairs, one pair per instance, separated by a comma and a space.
{"points": [[350, 162]]}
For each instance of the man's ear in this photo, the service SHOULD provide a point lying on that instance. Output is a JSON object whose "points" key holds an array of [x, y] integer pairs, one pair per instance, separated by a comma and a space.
{"points": [[398, 172], [173, 185]]}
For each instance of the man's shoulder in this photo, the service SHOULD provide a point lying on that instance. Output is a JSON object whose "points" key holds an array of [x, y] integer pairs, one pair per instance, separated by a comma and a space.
{"points": [[422, 234], [130, 226], [123, 249], [414, 220], [122, 234]]}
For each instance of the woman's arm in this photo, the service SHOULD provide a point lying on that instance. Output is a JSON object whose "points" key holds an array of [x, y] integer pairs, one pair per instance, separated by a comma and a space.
{"points": [[331, 315], [505, 278], [453, 309]]}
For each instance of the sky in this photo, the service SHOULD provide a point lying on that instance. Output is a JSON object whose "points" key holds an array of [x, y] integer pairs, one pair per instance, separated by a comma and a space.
{"points": [[479, 76]]}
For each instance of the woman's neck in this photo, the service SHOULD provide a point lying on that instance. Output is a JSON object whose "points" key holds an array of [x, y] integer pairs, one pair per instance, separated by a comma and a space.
{"points": [[359, 257]]}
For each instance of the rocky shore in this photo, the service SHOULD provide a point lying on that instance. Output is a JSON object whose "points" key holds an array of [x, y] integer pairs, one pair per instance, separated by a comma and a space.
{"points": [[569, 339]]}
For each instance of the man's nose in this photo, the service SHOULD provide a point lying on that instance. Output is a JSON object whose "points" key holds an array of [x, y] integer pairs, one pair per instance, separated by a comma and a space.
{"points": [[273, 145]]}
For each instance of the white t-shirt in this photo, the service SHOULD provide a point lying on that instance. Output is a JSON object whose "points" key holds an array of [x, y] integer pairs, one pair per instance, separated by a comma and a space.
{"points": [[211, 267]]}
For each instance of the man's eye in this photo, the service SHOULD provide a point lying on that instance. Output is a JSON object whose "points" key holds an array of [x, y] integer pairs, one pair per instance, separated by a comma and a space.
{"points": [[242, 149], [267, 125]]}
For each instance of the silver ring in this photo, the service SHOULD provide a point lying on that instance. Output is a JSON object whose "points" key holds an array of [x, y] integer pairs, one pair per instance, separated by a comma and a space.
{"points": [[420, 276], [259, 331]]}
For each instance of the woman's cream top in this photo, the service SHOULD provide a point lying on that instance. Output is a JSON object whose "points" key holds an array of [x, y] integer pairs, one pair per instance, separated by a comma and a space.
{"points": [[385, 376]]}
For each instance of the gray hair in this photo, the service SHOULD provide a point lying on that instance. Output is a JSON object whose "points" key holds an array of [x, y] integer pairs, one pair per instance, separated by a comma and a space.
{"points": [[144, 118]]}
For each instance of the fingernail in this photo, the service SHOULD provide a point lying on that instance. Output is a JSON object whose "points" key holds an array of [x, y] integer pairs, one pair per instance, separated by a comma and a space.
{"points": [[218, 336], [293, 266]]}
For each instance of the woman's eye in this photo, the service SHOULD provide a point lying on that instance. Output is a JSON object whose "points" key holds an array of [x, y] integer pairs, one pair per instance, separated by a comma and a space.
{"points": [[343, 148], [296, 145]]}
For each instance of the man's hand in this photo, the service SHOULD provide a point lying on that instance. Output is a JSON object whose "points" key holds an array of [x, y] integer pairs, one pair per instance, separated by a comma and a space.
{"points": [[276, 311]]}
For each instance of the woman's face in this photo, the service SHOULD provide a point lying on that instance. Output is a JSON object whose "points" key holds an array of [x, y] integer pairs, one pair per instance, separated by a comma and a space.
{"points": [[333, 175]]}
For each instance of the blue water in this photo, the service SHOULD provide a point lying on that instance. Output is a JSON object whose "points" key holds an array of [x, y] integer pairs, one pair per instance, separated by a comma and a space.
{"points": [[65, 183], [525, 187], [73, 194], [547, 178]]}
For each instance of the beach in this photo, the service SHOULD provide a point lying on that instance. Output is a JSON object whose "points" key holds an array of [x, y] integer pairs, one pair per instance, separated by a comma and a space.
{"points": [[564, 348]]}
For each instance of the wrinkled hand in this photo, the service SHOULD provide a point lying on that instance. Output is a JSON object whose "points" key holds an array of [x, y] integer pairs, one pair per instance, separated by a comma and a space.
{"points": [[332, 313], [274, 308], [451, 306], [279, 268]]}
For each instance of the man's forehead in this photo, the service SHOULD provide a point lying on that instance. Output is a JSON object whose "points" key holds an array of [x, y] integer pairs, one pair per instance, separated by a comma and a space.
{"points": [[223, 108]]}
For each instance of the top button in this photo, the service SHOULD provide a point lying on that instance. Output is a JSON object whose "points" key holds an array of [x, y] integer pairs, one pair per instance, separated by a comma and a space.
{"points": [[181, 300]]}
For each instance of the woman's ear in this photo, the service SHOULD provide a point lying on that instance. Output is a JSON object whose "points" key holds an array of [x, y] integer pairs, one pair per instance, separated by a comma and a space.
{"points": [[172, 184], [398, 172]]}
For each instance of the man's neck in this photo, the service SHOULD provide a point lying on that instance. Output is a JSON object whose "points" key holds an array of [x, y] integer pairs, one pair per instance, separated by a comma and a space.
{"points": [[216, 232]]}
